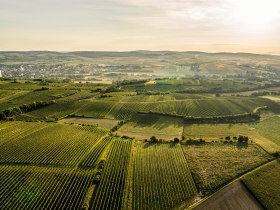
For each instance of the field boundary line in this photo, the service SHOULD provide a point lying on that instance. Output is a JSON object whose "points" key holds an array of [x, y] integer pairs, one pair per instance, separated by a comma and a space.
{"points": [[184, 153], [89, 151], [127, 200]]}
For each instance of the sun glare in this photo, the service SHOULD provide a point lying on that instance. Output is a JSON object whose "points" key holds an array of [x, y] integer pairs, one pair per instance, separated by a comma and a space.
{"points": [[256, 15]]}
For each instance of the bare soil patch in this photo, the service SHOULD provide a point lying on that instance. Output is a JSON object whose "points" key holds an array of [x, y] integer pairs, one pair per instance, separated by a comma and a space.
{"points": [[233, 197]]}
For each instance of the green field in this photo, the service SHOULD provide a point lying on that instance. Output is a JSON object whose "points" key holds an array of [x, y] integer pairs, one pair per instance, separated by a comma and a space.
{"points": [[264, 183], [269, 128], [88, 146], [110, 192], [162, 178], [53, 112], [144, 126], [53, 144], [266, 137], [24, 187], [214, 164]]}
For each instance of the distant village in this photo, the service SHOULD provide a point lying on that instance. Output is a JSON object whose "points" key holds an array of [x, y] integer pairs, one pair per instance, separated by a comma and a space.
{"points": [[113, 72]]}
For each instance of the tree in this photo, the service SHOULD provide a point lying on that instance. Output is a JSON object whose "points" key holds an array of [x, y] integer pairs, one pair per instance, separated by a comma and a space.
{"points": [[176, 140], [2, 116], [153, 139]]}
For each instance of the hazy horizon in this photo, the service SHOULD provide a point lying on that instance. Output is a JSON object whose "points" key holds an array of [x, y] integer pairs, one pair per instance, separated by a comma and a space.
{"points": [[129, 25]]}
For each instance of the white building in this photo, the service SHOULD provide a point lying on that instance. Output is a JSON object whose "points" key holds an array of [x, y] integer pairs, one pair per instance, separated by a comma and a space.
{"points": [[0, 74]]}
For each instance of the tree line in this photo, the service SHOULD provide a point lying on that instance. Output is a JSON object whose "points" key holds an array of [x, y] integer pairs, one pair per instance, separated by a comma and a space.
{"points": [[11, 112]]}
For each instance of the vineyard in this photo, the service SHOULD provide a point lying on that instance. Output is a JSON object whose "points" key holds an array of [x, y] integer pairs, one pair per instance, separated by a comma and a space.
{"points": [[24, 187], [97, 109], [189, 107], [55, 144], [132, 145], [269, 128], [53, 112], [110, 192], [91, 159], [144, 126], [162, 178], [264, 183]]}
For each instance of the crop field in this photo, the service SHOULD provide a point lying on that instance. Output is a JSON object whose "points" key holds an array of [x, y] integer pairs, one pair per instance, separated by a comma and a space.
{"points": [[162, 179], [187, 107], [32, 96], [214, 164], [10, 131], [264, 183], [92, 157], [55, 145], [213, 132], [89, 146], [205, 107], [144, 126], [6, 95], [109, 192], [96, 108], [78, 95], [105, 123], [53, 112], [164, 98], [233, 196], [269, 128], [27, 187], [126, 110]]}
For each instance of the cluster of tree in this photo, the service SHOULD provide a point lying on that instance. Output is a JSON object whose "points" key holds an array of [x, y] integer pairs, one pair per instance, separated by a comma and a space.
{"points": [[116, 127], [229, 119], [243, 139], [132, 82], [111, 89], [155, 139], [265, 93], [241, 118], [11, 112], [195, 142], [145, 92], [105, 96], [42, 89], [98, 174]]}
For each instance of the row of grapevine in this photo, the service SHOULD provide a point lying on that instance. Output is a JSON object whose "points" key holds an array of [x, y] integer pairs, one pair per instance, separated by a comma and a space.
{"points": [[205, 107], [16, 130], [95, 108], [125, 110], [42, 188], [188, 107], [54, 111], [92, 158], [56, 144], [162, 178], [109, 193]]}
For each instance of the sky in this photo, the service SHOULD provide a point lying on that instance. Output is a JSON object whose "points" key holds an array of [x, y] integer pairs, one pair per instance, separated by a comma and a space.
{"points": [[124, 25]]}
